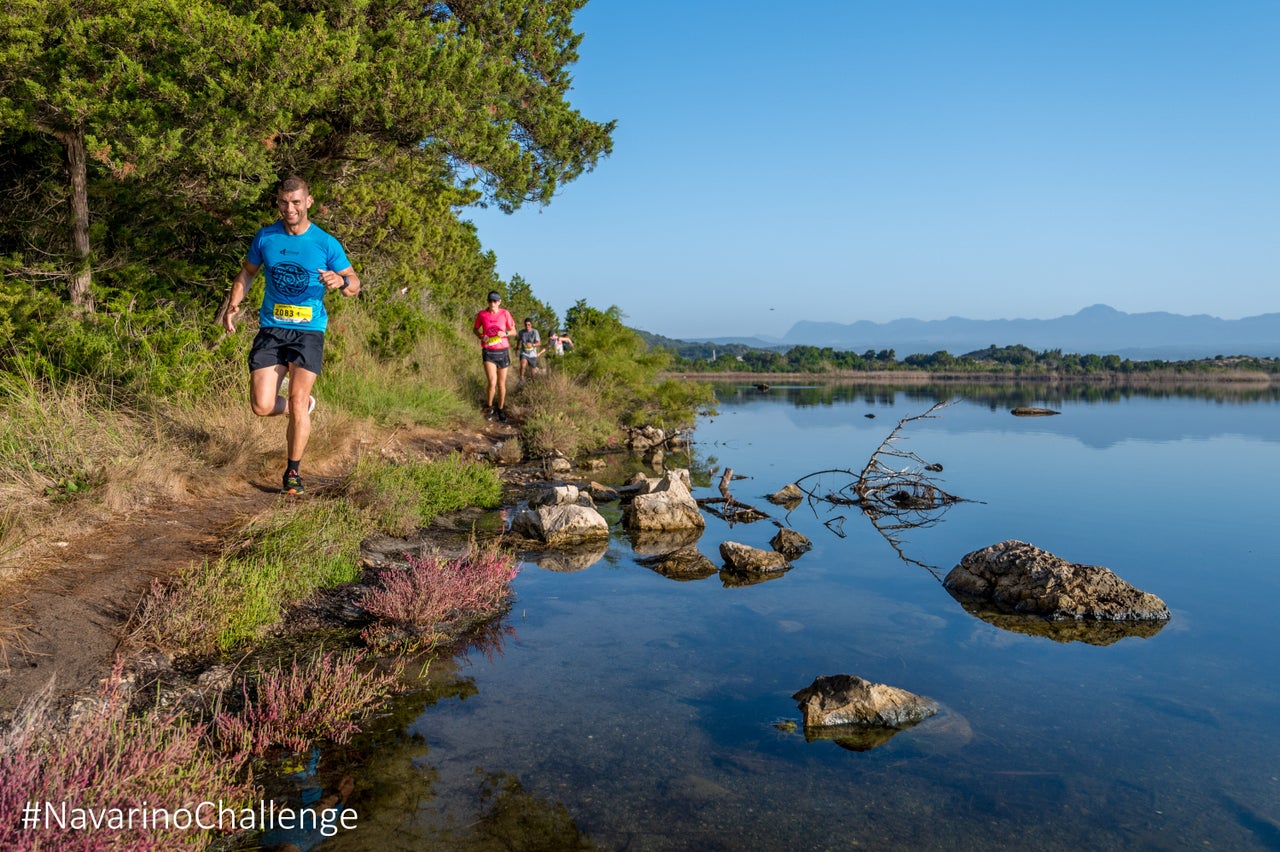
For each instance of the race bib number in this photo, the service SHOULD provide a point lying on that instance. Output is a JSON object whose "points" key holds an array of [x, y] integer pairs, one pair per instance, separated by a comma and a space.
{"points": [[292, 313], [493, 341]]}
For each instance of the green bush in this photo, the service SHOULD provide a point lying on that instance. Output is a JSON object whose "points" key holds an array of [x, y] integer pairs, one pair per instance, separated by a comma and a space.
{"points": [[402, 497]]}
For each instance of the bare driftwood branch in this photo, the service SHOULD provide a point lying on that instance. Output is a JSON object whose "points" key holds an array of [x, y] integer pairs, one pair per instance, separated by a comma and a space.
{"points": [[896, 489], [733, 511]]}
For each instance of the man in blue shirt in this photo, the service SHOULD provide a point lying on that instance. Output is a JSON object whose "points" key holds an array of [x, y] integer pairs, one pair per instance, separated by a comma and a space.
{"points": [[301, 264]]}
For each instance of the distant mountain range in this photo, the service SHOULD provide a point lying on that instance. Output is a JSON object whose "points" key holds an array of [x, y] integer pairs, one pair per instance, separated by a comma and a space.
{"points": [[1099, 329]]}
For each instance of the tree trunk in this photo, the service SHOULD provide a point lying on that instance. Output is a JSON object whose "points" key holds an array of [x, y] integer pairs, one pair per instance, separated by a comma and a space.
{"points": [[82, 274]]}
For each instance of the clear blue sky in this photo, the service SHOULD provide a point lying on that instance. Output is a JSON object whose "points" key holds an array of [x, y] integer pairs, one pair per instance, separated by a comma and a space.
{"points": [[876, 160]]}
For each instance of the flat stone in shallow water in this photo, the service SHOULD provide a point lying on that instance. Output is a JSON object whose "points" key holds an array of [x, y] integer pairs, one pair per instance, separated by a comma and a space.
{"points": [[849, 700], [745, 559]]}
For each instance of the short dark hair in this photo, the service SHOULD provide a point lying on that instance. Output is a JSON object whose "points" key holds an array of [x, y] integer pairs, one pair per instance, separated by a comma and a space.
{"points": [[529, 320], [293, 183]]}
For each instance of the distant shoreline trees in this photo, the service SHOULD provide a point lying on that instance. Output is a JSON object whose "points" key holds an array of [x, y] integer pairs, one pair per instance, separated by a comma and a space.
{"points": [[1016, 360]]}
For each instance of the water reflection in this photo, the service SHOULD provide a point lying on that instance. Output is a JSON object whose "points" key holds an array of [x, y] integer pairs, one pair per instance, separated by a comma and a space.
{"points": [[1000, 395], [1064, 631], [658, 542], [569, 559]]}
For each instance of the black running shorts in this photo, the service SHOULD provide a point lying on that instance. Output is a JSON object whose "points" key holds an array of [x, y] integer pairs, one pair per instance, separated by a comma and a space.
{"points": [[501, 357], [283, 346]]}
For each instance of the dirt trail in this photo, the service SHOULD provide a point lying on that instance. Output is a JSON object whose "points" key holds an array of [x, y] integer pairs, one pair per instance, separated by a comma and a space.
{"points": [[72, 615]]}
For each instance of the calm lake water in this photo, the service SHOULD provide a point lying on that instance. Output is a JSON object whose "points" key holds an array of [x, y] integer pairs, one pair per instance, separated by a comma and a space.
{"points": [[624, 710]]}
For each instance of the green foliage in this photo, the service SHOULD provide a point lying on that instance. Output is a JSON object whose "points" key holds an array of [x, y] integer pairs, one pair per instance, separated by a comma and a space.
{"points": [[401, 325], [1017, 360], [190, 112], [617, 364], [220, 605], [401, 497], [519, 299], [132, 349], [562, 416]]}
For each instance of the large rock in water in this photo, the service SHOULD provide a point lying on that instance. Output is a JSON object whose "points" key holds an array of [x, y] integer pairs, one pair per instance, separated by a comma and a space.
{"points": [[849, 700], [790, 543], [1021, 578], [560, 514], [667, 505], [567, 524]]}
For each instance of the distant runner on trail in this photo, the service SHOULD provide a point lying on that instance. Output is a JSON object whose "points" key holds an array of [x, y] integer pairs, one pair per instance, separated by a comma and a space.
{"points": [[301, 264], [529, 351], [560, 343], [494, 326]]}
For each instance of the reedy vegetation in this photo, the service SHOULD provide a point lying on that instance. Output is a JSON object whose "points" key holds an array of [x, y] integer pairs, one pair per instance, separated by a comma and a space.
{"points": [[414, 605], [108, 757], [324, 699]]}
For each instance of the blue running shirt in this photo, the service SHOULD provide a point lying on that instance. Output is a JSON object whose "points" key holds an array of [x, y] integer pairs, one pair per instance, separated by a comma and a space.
{"points": [[294, 296]]}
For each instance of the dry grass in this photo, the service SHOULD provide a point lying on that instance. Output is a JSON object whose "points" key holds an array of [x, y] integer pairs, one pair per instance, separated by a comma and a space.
{"points": [[11, 637], [66, 459]]}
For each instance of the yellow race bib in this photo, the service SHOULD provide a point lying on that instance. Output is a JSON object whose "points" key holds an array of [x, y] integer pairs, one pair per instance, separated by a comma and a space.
{"points": [[292, 313]]}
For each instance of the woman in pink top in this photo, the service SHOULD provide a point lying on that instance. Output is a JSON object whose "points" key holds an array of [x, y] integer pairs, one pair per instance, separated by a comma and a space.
{"points": [[493, 327]]}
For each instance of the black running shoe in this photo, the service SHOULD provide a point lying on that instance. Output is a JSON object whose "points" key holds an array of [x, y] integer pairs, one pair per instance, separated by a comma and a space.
{"points": [[292, 483], [502, 415]]}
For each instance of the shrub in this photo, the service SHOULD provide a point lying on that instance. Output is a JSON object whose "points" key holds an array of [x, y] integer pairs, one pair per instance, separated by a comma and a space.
{"points": [[562, 416], [418, 604], [107, 758], [326, 699]]}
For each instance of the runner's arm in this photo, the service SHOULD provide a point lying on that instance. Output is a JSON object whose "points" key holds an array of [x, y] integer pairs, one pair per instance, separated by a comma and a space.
{"points": [[239, 289], [345, 281]]}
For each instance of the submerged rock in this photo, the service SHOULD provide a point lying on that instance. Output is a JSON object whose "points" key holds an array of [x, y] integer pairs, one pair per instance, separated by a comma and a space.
{"points": [[790, 543], [1032, 411], [849, 700], [602, 493], [1022, 579], [686, 563], [745, 559], [787, 495]]}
